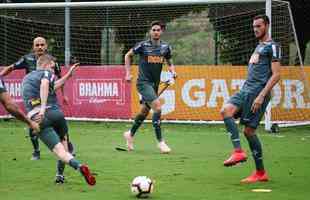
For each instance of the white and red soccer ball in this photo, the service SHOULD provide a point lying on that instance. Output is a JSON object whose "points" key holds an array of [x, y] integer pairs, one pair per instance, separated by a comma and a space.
{"points": [[142, 186]]}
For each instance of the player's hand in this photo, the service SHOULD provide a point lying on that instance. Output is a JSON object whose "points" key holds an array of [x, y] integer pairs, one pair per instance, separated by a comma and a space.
{"points": [[40, 116], [174, 74], [128, 77], [73, 68], [34, 126], [172, 77], [257, 103], [65, 100]]}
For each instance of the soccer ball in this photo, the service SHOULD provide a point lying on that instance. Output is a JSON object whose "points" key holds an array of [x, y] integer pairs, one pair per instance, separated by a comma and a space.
{"points": [[142, 186]]}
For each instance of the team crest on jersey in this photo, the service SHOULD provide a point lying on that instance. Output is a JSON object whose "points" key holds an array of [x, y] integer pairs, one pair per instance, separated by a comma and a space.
{"points": [[162, 51], [155, 59], [254, 58]]}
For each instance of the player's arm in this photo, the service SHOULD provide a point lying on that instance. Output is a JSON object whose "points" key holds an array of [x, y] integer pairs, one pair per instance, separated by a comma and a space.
{"points": [[14, 110], [275, 68], [128, 57], [20, 64], [44, 90], [7, 70], [57, 71], [60, 82], [171, 68]]}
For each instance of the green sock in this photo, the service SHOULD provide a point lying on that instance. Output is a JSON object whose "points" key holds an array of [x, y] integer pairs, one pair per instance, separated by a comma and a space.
{"points": [[257, 152], [75, 164], [156, 125], [137, 123], [60, 167], [232, 129]]}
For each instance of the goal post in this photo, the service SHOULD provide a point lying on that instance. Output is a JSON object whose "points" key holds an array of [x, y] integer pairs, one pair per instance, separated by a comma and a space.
{"points": [[211, 40]]}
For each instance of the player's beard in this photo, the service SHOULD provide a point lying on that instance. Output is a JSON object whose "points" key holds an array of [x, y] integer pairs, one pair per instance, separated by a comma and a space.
{"points": [[260, 37], [156, 40]]}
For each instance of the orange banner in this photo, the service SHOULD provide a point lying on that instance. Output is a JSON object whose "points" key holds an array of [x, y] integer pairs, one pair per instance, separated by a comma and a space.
{"points": [[200, 91]]}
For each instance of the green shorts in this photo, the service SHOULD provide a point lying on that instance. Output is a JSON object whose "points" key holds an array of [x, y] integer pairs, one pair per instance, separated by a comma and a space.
{"points": [[148, 92], [53, 128], [244, 100]]}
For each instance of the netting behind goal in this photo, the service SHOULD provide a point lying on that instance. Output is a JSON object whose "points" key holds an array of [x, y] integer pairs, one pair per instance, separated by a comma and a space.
{"points": [[211, 43]]}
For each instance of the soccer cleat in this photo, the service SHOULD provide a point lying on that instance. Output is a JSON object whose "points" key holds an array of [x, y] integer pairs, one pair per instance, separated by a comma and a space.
{"points": [[36, 155], [129, 140], [236, 157], [163, 147], [89, 178], [60, 179], [257, 176]]}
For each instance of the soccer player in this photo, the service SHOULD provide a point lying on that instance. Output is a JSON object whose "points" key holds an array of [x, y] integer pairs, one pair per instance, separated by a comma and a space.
{"points": [[251, 101], [153, 52], [29, 62], [13, 109], [38, 90]]}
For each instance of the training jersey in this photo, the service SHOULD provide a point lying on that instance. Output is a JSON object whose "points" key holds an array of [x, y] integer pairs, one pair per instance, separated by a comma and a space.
{"points": [[29, 63], [31, 89], [2, 86], [151, 60], [259, 68]]}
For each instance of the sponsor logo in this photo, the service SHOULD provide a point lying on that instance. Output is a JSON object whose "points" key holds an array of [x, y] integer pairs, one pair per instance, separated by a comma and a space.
{"points": [[99, 90]]}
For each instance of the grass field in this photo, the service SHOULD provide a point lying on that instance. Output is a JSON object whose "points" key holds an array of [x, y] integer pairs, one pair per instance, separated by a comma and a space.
{"points": [[193, 171]]}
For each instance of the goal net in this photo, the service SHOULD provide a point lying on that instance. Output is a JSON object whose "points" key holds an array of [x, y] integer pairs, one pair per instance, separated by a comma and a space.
{"points": [[211, 41]]}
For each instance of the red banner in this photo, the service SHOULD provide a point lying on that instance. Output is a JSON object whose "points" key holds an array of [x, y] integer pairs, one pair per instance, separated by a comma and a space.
{"points": [[93, 92]]}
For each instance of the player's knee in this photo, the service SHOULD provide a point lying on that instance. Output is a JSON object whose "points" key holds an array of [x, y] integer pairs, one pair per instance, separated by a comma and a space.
{"points": [[145, 111], [248, 131], [225, 112]]}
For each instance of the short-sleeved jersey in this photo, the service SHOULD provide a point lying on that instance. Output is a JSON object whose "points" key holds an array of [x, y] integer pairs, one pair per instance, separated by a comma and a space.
{"points": [[151, 60], [2, 86], [259, 68], [31, 89], [29, 63]]}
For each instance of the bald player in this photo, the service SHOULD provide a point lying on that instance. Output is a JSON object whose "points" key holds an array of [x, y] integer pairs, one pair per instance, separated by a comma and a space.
{"points": [[28, 62]]}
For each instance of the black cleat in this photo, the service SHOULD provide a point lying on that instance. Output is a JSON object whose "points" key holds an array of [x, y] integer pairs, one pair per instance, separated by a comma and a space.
{"points": [[36, 155], [60, 179]]}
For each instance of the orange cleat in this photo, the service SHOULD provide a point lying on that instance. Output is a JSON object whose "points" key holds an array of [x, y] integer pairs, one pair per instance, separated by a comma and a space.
{"points": [[257, 176], [236, 157], [89, 178]]}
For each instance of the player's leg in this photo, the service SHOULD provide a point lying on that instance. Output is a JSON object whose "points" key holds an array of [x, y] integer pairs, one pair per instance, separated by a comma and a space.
{"points": [[228, 112], [52, 141], [57, 119], [256, 148], [140, 117], [156, 107], [254, 142], [35, 144]]}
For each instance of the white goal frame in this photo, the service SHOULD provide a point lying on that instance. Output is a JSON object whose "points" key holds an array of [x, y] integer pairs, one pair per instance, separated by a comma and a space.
{"points": [[268, 121]]}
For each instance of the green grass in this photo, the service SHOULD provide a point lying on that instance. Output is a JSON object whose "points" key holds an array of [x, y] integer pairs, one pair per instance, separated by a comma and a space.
{"points": [[194, 170]]}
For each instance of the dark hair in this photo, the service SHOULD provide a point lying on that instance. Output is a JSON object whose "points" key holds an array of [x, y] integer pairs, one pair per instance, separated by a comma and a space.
{"points": [[158, 23], [265, 18]]}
